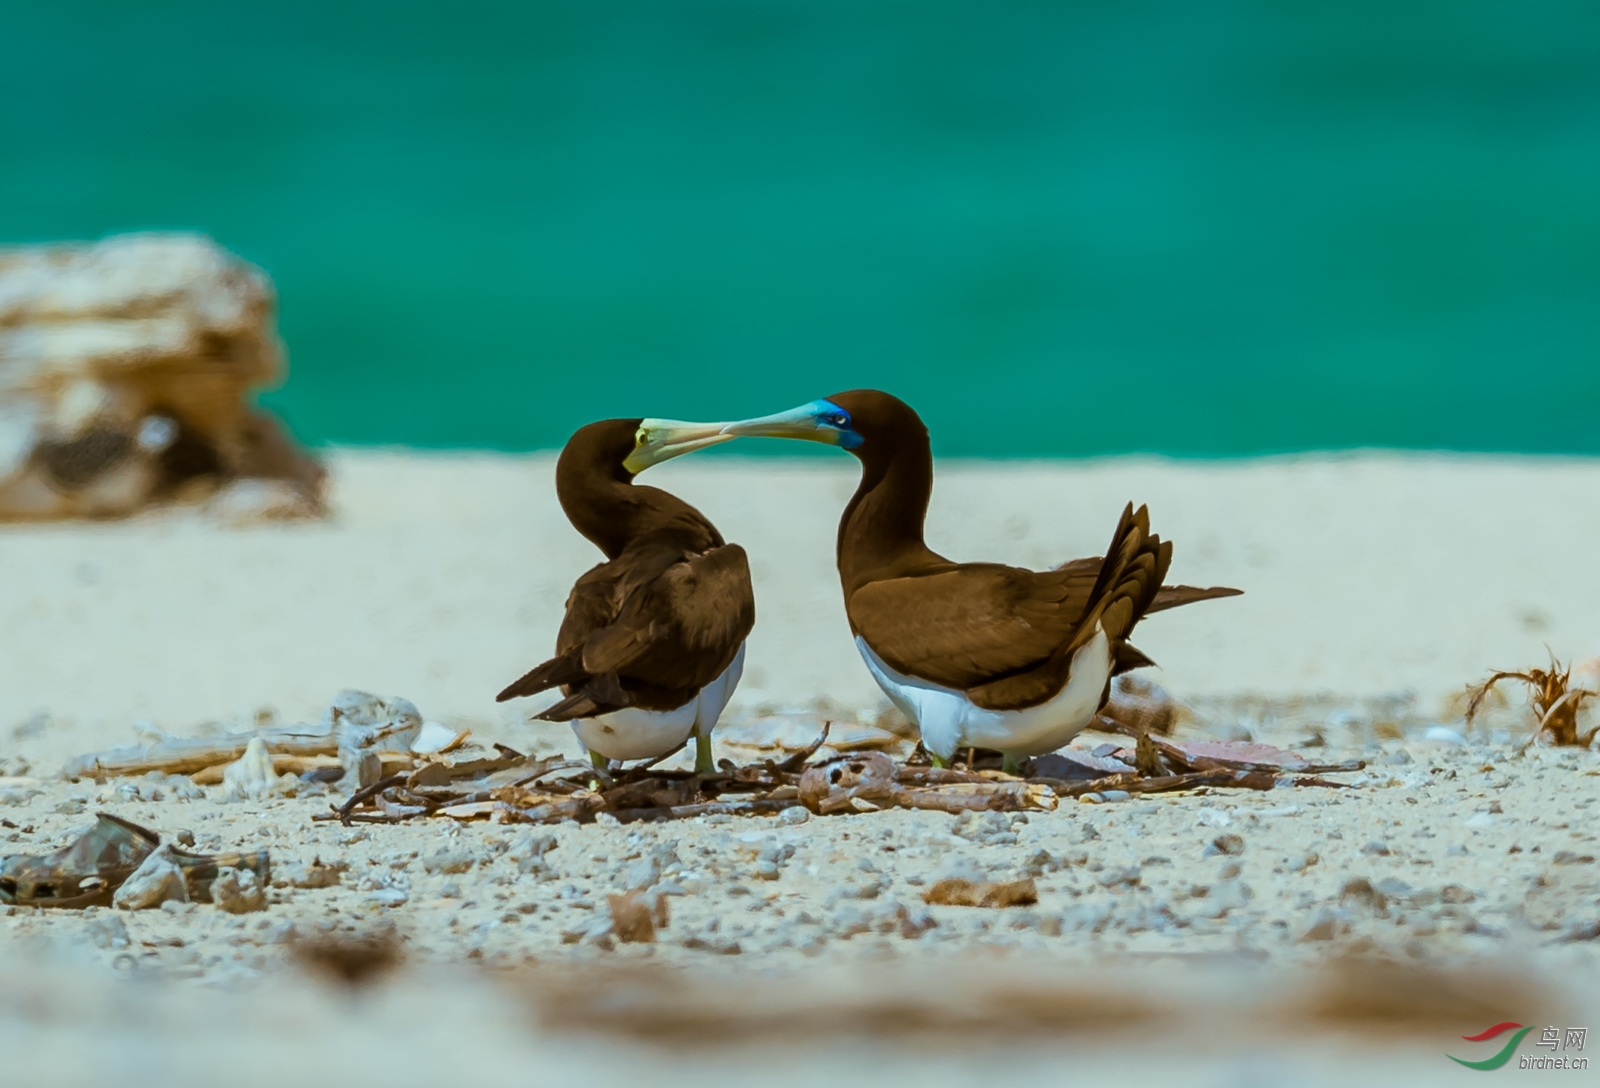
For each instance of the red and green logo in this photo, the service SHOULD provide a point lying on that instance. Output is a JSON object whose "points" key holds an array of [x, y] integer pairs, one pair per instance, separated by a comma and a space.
{"points": [[1497, 1060]]}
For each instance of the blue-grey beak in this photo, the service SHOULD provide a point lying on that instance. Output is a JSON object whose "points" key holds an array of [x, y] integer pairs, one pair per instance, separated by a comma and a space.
{"points": [[814, 422]]}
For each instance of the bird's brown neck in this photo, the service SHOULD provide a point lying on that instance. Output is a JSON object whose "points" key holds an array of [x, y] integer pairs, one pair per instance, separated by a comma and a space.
{"points": [[612, 512], [880, 533]]}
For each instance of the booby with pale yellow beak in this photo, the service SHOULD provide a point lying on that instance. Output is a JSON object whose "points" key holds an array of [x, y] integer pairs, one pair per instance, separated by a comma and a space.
{"points": [[652, 645], [977, 654]]}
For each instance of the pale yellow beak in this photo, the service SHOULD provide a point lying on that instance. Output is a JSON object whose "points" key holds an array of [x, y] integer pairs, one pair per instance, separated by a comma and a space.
{"points": [[659, 440]]}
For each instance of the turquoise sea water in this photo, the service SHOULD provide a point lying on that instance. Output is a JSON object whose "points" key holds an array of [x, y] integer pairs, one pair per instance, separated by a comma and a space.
{"points": [[1057, 229]]}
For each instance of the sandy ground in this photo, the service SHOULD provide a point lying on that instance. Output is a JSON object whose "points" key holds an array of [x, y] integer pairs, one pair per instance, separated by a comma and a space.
{"points": [[442, 578], [1380, 583]]}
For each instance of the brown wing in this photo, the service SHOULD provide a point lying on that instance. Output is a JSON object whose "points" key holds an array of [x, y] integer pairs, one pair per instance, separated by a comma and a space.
{"points": [[1006, 636], [649, 629], [965, 625], [681, 628]]}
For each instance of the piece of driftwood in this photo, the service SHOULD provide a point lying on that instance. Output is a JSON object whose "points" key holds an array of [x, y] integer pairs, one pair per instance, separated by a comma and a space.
{"points": [[765, 807], [978, 797], [186, 755], [281, 764]]}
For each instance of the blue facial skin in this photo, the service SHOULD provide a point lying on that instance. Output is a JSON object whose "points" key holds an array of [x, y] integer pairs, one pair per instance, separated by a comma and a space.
{"points": [[834, 418]]}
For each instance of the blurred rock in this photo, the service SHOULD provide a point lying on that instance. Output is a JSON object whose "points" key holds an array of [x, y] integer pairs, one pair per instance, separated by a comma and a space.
{"points": [[238, 892], [126, 373], [157, 881]]}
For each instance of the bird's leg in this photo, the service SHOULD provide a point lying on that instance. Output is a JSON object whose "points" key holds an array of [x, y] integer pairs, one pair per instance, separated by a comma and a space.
{"points": [[704, 766], [939, 761], [599, 760], [1011, 763]]}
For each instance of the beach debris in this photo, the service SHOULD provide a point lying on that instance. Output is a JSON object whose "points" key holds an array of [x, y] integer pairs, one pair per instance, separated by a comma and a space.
{"points": [[127, 376], [92, 870], [358, 730], [317, 874], [795, 732], [1556, 704], [1074, 765], [253, 776], [637, 915], [85, 873], [433, 737], [960, 892], [508, 787], [157, 881], [862, 783]]}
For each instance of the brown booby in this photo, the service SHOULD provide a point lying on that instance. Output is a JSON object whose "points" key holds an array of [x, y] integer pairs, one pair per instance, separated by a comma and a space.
{"points": [[977, 654], [652, 645]]}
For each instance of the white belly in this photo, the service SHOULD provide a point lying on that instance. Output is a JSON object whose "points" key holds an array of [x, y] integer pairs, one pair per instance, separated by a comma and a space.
{"points": [[631, 733], [949, 720]]}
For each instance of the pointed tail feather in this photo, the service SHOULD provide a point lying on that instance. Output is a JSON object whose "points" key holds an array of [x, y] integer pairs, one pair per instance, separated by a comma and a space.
{"points": [[1128, 657], [551, 674], [1173, 596], [599, 695]]}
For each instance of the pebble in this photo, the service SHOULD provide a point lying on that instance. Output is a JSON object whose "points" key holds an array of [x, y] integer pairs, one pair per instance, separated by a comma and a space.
{"points": [[1230, 845], [794, 817], [1327, 926], [1376, 849], [108, 931], [1225, 896], [298, 874], [1359, 893], [1118, 878], [1480, 820], [153, 883], [390, 896], [237, 892], [642, 874], [449, 862]]}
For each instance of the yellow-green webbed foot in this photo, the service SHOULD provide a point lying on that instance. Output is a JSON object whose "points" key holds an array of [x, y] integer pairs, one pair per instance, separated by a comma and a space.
{"points": [[704, 765]]}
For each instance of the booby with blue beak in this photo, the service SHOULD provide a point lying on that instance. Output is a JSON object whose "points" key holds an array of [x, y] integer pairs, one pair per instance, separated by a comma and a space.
{"points": [[977, 654]]}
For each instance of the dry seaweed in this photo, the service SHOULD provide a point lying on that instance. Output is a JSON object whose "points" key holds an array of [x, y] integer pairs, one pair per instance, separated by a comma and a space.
{"points": [[1555, 702]]}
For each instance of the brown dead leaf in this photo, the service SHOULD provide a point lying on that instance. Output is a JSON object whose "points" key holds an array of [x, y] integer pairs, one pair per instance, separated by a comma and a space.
{"points": [[956, 892]]}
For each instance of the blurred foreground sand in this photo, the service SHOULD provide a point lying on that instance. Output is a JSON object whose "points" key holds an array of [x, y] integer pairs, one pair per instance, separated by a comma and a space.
{"points": [[443, 576]]}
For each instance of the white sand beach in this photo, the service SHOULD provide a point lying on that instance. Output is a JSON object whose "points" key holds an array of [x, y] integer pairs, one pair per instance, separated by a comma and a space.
{"points": [[440, 577]]}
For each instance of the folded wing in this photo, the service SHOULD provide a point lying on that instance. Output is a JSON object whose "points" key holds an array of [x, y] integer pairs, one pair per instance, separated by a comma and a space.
{"points": [[648, 629]]}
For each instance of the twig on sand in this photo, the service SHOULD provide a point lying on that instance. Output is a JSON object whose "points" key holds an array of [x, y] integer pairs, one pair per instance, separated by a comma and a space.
{"points": [[365, 793]]}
